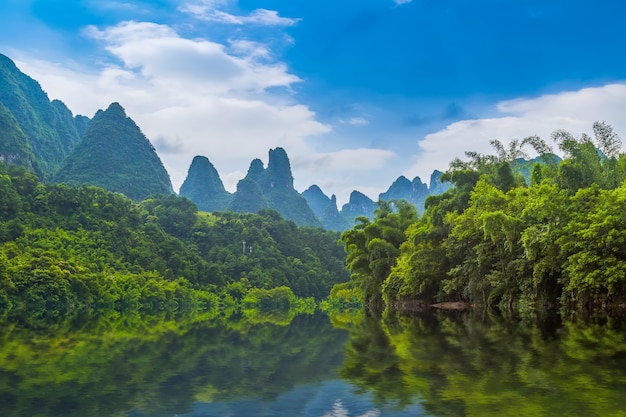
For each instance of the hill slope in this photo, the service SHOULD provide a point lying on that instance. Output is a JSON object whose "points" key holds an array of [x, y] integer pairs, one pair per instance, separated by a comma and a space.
{"points": [[115, 155]]}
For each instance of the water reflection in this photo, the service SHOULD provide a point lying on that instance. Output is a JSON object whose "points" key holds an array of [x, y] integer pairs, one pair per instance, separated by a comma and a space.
{"points": [[160, 368], [469, 364], [444, 364]]}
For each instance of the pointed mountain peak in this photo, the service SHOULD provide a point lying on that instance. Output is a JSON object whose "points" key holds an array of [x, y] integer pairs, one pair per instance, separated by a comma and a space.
{"points": [[204, 187], [278, 173], [436, 185], [116, 110], [256, 170], [357, 197], [332, 219], [316, 190], [400, 190], [116, 155], [316, 199], [358, 205]]}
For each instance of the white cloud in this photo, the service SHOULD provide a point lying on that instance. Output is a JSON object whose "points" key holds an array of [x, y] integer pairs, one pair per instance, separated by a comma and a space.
{"points": [[574, 111], [249, 48], [161, 56], [399, 2], [189, 96], [209, 10], [355, 121]]}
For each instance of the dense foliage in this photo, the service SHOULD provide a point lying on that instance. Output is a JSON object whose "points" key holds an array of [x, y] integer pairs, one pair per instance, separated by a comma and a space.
{"points": [[497, 238], [64, 248]]}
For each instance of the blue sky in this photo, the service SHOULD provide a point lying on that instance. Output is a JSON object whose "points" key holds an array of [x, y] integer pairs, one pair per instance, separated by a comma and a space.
{"points": [[357, 91]]}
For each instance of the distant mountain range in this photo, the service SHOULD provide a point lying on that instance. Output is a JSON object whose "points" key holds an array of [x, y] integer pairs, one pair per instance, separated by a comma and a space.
{"points": [[111, 152]]}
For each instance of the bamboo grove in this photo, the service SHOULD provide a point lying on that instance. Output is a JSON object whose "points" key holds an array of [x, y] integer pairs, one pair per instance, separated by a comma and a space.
{"points": [[511, 233]]}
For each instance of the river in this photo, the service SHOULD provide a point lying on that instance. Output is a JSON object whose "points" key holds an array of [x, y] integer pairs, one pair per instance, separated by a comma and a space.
{"points": [[418, 364]]}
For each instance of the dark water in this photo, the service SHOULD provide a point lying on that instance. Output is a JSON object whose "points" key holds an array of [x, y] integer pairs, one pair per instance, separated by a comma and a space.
{"points": [[445, 364]]}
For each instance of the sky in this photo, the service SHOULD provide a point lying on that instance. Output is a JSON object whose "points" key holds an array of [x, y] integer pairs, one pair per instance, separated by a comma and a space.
{"points": [[358, 92]]}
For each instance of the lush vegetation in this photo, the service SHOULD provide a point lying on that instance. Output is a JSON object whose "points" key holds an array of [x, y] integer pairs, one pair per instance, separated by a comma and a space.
{"points": [[65, 248], [500, 238]]}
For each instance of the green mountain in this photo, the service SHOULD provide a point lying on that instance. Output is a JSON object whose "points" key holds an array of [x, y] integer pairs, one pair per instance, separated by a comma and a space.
{"points": [[415, 192], [14, 146], [325, 209], [272, 187], [437, 186], [358, 205], [332, 219], [115, 155], [317, 200], [49, 126], [204, 187]]}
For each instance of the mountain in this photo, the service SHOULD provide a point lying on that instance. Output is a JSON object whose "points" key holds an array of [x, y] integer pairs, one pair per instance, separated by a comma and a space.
{"points": [[415, 192], [248, 198], [115, 155], [275, 188], [332, 219], [317, 200], [325, 209], [437, 186], [204, 187], [14, 145], [358, 205], [49, 126]]}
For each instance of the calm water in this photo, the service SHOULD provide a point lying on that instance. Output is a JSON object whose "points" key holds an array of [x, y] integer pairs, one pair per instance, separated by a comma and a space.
{"points": [[444, 364]]}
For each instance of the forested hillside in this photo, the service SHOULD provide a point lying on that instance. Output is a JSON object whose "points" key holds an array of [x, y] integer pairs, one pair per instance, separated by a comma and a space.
{"points": [[114, 154], [49, 128], [498, 239], [65, 247]]}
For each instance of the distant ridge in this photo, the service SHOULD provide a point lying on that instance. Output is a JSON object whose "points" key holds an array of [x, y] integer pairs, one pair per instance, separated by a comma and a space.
{"points": [[110, 151]]}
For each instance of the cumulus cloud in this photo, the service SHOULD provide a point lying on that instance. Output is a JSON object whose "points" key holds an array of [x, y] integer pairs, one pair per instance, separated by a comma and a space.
{"points": [[189, 96], [161, 56], [210, 10], [574, 111]]}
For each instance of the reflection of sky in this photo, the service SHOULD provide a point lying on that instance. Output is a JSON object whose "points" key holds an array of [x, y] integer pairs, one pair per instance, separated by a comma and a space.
{"points": [[329, 399]]}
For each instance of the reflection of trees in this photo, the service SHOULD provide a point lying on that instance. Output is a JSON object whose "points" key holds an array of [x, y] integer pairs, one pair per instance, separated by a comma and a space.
{"points": [[159, 367], [462, 364]]}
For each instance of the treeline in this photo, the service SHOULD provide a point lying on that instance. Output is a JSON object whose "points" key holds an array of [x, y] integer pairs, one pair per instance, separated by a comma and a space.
{"points": [[509, 233], [65, 248]]}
